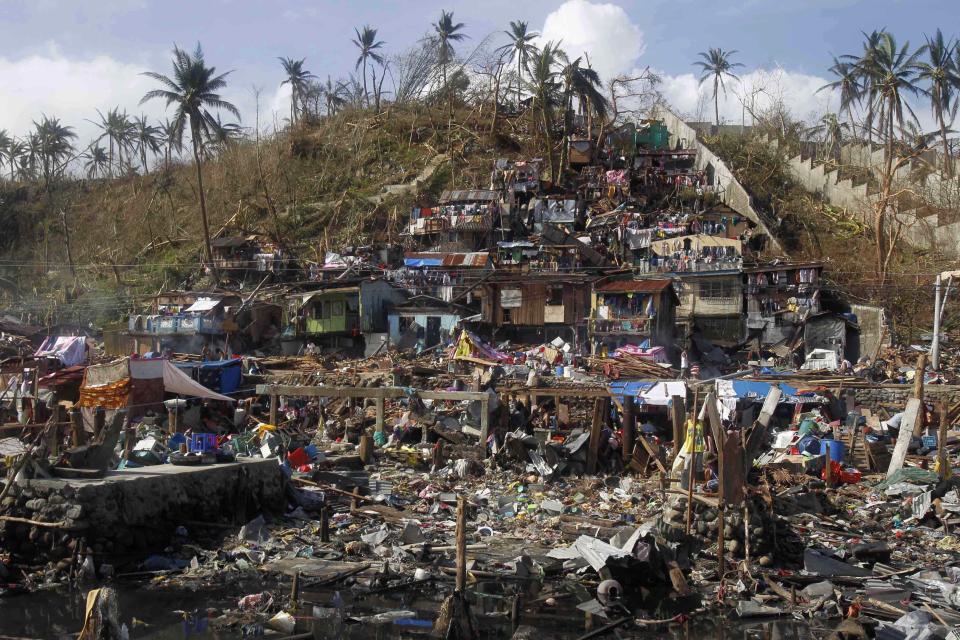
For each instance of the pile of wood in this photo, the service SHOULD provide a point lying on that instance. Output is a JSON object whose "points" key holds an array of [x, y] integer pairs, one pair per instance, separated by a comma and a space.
{"points": [[628, 366]]}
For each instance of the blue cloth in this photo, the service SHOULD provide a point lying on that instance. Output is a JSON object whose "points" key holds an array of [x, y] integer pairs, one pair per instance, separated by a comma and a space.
{"points": [[222, 376], [422, 262]]}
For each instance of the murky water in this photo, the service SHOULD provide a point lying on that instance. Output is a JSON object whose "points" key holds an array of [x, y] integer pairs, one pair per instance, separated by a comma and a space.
{"points": [[163, 613]]}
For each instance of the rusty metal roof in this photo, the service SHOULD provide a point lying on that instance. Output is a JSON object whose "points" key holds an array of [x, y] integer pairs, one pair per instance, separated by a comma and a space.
{"points": [[648, 285], [475, 259]]}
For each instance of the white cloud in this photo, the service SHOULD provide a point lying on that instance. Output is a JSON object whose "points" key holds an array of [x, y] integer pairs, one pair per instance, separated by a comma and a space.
{"points": [[758, 89], [602, 31], [71, 90]]}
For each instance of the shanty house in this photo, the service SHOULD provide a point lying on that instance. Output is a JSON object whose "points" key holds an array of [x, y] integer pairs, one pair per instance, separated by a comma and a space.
{"points": [[833, 332], [462, 221], [239, 257], [424, 322], [633, 312], [183, 321], [537, 306], [441, 275], [340, 316], [778, 298]]}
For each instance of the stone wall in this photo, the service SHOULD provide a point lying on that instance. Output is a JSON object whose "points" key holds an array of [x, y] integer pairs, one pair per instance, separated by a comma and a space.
{"points": [[137, 510], [895, 396]]}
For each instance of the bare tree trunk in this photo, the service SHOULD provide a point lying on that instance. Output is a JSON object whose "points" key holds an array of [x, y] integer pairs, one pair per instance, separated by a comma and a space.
{"points": [[496, 100], [548, 138], [207, 247]]}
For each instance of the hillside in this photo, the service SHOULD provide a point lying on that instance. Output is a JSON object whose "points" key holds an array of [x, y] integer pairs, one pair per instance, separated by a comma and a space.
{"points": [[93, 247]]}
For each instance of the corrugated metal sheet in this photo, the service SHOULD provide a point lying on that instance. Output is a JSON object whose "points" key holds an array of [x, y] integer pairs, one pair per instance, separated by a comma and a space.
{"points": [[469, 195], [649, 285]]}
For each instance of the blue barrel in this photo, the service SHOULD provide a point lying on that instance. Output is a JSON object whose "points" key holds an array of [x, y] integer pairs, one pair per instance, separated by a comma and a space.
{"points": [[836, 447]]}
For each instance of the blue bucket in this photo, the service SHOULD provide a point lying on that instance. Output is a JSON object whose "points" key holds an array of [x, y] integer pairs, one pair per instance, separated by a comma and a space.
{"points": [[836, 447], [808, 444]]}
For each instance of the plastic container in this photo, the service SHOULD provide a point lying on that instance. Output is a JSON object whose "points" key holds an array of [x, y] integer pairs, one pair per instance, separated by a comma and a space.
{"points": [[203, 442], [559, 371], [568, 371], [809, 444], [836, 448]]}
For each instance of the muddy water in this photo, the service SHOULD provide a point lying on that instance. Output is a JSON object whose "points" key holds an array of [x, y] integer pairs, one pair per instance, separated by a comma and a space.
{"points": [[178, 614]]}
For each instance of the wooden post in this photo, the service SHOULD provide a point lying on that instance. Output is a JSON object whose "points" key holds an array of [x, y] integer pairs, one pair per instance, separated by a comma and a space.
{"points": [[78, 435], [325, 524], [679, 418], [274, 409], [99, 419], [380, 402], [719, 436], [629, 427], [295, 591], [173, 418], [828, 471], [354, 501], [484, 426], [692, 469], [918, 393], [366, 448], [130, 435], [942, 441], [35, 392], [601, 407], [461, 584]]}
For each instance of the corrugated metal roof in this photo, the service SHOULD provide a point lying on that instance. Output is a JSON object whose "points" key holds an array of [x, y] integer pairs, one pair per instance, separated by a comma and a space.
{"points": [[649, 285], [474, 259], [469, 195]]}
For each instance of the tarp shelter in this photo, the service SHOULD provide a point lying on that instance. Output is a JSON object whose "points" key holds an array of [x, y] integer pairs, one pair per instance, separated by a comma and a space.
{"points": [[71, 350], [223, 376], [649, 393], [137, 384], [202, 305]]}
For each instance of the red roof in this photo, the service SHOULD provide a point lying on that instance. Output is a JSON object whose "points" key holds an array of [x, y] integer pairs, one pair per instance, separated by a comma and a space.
{"points": [[649, 285]]}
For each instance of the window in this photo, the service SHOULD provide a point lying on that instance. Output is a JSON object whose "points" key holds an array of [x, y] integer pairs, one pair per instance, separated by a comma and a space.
{"points": [[555, 296], [716, 290], [325, 314], [337, 310], [507, 315], [317, 310]]}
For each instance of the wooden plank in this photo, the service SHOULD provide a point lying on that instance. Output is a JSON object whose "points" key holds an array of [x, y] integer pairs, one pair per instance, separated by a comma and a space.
{"points": [[566, 392], [942, 442], [380, 410], [910, 418], [363, 392], [760, 431], [733, 470], [484, 424], [601, 407], [678, 416], [918, 393], [274, 408], [629, 427]]}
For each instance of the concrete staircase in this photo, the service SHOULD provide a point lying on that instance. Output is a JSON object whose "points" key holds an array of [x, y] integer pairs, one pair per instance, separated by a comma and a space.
{"points": [[935, 227]]}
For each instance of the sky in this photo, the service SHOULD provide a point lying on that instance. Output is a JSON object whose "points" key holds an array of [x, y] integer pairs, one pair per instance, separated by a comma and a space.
{"points": [[68, 58]]}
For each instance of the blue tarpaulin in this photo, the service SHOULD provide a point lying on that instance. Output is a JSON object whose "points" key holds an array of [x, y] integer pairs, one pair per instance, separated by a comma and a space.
{"points": [[422, 262], [622, 388], [748, 388]]}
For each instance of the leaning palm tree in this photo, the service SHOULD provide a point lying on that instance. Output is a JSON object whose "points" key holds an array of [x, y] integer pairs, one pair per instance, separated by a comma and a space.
{"points": [[223, 134], [830, 130], [447, 32], [847, 83], [299, 80], [146, 138], [520, 47], [97, 161], [193, 89], [333, 96], [940, 73], [716, 64], [862, 64], [368, 44]]}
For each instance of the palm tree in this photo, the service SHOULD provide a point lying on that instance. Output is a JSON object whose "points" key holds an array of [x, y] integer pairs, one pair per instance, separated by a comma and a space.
{"points": [[223, 134], [716, 64], [146, 138], [16, 158], [861, 64], [333, 96], [119, 132], [847, 83], [299, 80], [55, 144], [891, 71], [584, 83], [830, 129], [368, 44], [97, 161], [940, 73], [193, 89], [171, 140], [520, 47], [6, 142], [447, 32], [33, 150], [545, 88]]}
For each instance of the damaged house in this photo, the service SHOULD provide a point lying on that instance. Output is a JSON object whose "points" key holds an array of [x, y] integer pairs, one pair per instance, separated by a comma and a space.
{"points": [[640, 313], [463, 220]]}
